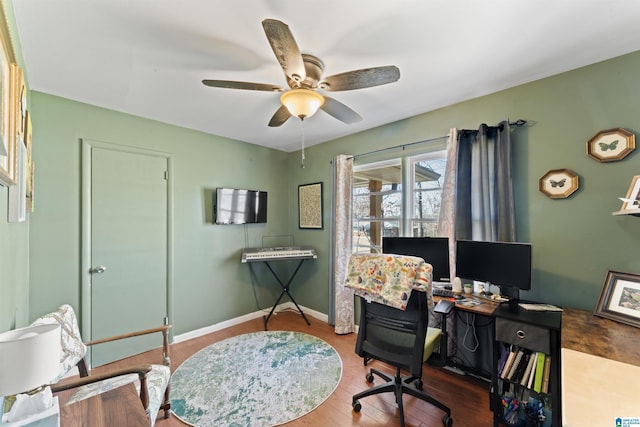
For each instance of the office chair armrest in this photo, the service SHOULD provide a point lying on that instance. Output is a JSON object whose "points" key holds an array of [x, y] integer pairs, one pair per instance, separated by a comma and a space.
{"points": [[66, 384], [444, 307], [140, 370]]}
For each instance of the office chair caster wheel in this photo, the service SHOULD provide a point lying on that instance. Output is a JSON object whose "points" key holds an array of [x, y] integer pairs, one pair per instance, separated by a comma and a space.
{"points": [[419, 385], [369, 377], [357, 406], [447, 421]]}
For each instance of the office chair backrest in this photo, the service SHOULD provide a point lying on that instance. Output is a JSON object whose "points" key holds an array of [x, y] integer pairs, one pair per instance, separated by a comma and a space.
{"points": [[394, 336]]}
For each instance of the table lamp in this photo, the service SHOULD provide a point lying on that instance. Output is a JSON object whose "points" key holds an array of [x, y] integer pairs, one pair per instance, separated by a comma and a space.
{"points": [[29, 359]]}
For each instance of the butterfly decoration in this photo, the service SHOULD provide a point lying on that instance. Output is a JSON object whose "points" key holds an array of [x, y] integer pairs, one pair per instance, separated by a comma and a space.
{"points": [[559, 183], [611, 146]]}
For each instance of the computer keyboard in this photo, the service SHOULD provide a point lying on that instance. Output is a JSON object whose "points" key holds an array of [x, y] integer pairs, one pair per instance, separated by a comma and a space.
{"points": [[439, 292]]}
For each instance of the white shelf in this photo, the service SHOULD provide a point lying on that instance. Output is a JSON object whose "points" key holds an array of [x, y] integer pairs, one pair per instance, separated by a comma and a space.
{"points": [[634, 212]]}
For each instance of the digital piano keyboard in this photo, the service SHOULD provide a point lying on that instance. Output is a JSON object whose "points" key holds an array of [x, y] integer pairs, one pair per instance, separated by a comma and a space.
{"points": [[278, 253]]}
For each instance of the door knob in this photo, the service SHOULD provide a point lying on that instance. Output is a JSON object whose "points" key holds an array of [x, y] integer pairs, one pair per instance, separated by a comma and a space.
{"points": [[99, 269]]}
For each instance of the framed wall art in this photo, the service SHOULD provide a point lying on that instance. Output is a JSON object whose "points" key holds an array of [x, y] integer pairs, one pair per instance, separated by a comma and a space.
{"points": [[19, 101], [611, 145], [18, 192], [620, 298], [30, 166], [632, 199], [310, 206], [18, 109], [631, 202], [7, 140], [559, 183]]}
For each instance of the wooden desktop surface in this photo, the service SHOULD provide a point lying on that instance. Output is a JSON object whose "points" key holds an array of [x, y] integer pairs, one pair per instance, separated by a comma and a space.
{"points": [[120, 407], [486, 307], [600, 369], [583, 331]]}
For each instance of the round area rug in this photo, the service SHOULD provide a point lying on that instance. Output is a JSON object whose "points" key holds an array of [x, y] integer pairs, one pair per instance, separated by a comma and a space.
{"points": [[257, 379]]}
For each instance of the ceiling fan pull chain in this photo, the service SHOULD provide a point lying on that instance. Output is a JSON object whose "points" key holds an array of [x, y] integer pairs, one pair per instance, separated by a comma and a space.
{"points": [[302, 120]]}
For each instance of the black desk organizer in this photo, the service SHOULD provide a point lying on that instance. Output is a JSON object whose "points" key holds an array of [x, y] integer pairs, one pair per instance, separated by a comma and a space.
{"points": [[536, 331]]}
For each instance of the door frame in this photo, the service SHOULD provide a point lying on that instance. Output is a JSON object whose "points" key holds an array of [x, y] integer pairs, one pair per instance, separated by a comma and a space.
{"points": [[85, 232]]}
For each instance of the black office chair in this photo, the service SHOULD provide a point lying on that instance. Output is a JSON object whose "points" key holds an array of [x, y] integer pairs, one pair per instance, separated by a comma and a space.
{"points": [[396, 337]]}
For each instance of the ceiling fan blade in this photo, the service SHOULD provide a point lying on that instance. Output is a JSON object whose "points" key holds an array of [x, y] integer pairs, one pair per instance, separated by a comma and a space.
{"points": [[358, 79], [229, 84], [285, 48], [280, 116], [340, 111]]}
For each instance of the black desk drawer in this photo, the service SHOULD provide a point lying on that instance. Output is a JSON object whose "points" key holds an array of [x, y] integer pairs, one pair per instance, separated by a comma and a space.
{"points": [[525, 335]]}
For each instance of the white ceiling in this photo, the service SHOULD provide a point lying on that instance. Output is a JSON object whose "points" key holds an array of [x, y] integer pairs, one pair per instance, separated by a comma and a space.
{"points": [[148, 57]]}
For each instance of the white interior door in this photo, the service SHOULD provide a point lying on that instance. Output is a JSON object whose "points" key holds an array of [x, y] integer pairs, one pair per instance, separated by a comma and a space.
{"points": [[129, 229]]}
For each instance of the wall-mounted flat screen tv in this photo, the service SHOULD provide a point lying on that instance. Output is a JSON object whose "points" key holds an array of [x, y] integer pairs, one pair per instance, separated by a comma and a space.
{"points": [[236, 206]]}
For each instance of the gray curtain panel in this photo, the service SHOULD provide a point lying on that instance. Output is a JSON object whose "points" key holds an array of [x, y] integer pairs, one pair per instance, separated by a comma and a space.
{"points": [[484, 185]]}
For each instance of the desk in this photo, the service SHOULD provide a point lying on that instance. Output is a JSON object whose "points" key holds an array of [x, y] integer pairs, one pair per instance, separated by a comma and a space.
{"points": [[583, 331], [485, 308], [120, 407], [600, 370], [471, 323]]}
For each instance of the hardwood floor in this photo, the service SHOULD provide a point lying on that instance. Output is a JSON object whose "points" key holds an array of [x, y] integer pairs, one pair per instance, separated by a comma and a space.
{"points": [[467, 397]]}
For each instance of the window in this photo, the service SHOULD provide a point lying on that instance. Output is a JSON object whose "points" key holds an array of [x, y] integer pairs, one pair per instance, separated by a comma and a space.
{"points": [[396, 197]]}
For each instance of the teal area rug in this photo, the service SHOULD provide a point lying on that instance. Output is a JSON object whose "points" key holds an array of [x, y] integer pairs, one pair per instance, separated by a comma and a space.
{"points": [[257, 379]]}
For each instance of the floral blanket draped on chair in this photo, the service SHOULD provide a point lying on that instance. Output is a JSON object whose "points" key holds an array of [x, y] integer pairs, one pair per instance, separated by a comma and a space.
{"points": [[389, 279]]}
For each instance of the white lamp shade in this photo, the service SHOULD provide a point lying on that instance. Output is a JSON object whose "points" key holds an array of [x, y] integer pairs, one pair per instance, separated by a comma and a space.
{"points": [[29, 358], [302, 103]]}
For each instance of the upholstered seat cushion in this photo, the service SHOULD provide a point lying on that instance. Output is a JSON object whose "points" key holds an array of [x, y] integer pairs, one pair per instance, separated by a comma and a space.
{"points": [[157, 380], [74, 350], [431, 341], [72, 347]]}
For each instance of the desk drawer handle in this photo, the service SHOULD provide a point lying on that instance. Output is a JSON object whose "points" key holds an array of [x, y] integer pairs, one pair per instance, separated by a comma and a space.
{"points": [[520, 333]]}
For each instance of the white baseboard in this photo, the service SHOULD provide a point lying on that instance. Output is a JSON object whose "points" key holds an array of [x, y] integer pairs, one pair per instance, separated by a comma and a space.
{"points": [[287, 306]]}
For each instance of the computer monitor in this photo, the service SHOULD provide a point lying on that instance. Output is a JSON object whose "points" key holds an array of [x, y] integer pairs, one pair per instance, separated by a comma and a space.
{"points": [[504, 264], [434, 250]]}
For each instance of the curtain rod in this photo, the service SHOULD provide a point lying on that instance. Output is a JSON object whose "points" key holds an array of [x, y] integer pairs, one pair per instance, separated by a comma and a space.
{"points": [[403, 146], [517, 123]]}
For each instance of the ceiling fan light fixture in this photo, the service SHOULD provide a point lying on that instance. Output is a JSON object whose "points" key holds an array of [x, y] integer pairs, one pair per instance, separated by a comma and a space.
{"points": [[302, 103]]}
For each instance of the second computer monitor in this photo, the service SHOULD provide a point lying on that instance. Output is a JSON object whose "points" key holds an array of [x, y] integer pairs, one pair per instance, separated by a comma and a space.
{"points": [[434, 250]]}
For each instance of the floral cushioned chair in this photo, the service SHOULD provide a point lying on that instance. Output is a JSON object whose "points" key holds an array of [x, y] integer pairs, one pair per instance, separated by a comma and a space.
{"points": [[151, 381]]}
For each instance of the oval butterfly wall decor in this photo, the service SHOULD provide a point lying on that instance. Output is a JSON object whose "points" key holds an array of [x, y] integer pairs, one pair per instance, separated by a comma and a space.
{"points": [[559, 183], [611, 145]]}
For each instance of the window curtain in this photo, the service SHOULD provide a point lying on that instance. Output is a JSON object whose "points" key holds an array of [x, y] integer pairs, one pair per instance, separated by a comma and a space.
{"points": [[341, 305], [477, 193], [447, 218], [484, 205], [446, 226]]}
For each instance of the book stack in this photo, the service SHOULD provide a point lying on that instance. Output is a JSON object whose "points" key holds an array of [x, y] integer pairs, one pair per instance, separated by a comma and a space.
{"points": [[528, 368]]}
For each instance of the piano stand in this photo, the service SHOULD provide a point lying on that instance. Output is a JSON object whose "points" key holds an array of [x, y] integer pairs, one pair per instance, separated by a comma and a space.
{"points": [[285, 290]]}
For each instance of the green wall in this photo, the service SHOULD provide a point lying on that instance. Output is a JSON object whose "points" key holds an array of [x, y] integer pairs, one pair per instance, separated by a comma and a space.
{"points": [[575, 240], [14, 269], [210, 283]]}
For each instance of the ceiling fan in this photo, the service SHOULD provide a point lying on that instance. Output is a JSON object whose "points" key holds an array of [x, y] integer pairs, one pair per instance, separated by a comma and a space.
{"points": [[304, 77]]}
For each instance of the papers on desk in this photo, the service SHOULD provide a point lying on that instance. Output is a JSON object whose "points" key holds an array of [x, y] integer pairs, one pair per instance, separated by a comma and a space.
{"points": [[468, 302], [539, 307]]}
